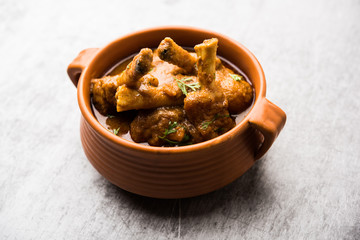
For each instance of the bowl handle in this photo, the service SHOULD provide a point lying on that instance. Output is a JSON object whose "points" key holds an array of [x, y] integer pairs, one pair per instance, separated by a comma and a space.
{"points": [[269, 119], [78, 65]]}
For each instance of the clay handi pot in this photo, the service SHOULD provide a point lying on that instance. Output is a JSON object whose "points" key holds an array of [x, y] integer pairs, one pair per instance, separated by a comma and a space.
{"points": [[174, 172]]}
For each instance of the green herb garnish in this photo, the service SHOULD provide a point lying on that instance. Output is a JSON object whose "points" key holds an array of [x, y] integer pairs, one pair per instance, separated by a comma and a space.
{"points": [[169, 141], [237, 77], [110, 116], [172, 129], [169, 130], [205, 125], [116, 131], [184, 142], [182, 85]]}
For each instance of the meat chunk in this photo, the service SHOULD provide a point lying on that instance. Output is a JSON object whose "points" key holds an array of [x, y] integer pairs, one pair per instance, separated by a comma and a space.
{"points": [[210, 116], [238, 92], [169, 51], [206, 62], [104, 89], [163, 126], [138, 67], [148, 92], [145, 98], [207, 108], [103, 93]]}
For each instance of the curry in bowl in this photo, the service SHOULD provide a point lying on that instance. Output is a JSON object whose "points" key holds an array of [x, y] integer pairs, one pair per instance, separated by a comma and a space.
{"points": [[171, 96]]}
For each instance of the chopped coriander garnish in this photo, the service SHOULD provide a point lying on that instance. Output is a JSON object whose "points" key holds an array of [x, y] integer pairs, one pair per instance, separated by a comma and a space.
{"points": [[205, 125], [169, 130], [116, 131], [110, 116], [237, 77], [184, 142], [172, 129], [168, 140], [182, 85], [186, 139]]}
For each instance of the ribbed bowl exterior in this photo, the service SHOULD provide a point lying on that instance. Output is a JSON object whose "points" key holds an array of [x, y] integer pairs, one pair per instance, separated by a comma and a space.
{"points": [[180, 175]]}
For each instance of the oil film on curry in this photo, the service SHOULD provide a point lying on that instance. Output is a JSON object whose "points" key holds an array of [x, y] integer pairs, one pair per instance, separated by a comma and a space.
{"points": [[171, 96]]}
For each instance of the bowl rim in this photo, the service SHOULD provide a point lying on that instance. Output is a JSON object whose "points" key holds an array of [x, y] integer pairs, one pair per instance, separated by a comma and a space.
{"points": [[91, 119]]}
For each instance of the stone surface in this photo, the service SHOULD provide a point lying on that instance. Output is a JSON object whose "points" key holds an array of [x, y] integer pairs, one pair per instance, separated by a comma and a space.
{"points": [[306, 187]]}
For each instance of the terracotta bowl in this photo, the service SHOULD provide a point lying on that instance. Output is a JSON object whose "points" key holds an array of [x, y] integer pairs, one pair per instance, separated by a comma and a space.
{"points": [[174, 172]]}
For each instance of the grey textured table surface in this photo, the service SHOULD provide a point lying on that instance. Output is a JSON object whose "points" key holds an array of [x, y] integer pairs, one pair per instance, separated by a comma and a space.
{"points": [[306, 187]]}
